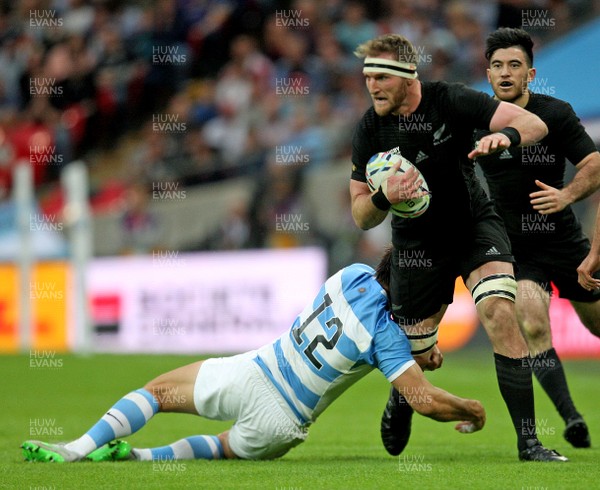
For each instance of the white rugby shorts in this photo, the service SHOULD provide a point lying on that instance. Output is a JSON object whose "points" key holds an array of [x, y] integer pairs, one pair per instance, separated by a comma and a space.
{"points": [[235, 388]]}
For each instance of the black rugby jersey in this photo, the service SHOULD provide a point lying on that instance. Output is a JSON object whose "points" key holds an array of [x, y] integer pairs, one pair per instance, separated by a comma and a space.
{"points": [[511, 174], [436, 138]]}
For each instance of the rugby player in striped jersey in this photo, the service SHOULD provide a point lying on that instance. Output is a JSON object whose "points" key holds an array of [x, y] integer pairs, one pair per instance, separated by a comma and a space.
{"points": [[276, 392]]}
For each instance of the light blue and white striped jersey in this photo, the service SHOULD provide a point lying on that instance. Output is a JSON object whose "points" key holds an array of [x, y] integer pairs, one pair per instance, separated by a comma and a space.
{"points": [[341, 336]]}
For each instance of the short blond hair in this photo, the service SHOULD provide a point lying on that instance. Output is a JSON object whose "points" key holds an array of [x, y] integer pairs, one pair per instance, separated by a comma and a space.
{"points": [[394, 44]]}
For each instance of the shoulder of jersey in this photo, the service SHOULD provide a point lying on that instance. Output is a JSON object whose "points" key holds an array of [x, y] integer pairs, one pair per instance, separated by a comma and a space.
{"points": [[358, 270], [548, 104], [360, 278]]}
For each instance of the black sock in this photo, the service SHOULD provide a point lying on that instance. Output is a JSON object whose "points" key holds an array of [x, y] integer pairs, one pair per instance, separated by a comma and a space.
{"points": [[516, 387], [550, 373]]}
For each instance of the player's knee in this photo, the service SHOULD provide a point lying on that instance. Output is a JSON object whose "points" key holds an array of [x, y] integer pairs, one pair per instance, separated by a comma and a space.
{"points": [[498, 314], [535, 329], [161, 391], [227, 451], [494, 296], [151, 388]]}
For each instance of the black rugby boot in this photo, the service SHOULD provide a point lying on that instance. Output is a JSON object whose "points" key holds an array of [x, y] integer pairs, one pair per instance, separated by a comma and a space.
{"points": [[396, 423]]}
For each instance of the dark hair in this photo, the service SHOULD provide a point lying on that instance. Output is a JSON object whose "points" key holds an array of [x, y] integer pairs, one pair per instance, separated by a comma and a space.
{"points": [[384, 268], [506, 37]]}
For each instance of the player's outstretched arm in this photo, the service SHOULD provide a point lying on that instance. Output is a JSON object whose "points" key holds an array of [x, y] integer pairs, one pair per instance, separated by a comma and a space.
{"points": [[435, 403], [511, 125], [530, 127]]}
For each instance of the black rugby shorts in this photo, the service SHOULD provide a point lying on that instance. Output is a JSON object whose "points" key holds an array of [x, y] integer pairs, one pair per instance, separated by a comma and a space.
{"points": [[545, 264], [424, 271]]}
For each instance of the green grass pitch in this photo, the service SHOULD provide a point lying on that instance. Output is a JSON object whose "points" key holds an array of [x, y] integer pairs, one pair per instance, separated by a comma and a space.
{"points": [[61, 400]]}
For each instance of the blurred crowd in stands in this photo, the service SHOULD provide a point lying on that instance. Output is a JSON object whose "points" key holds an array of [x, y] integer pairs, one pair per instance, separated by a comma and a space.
{"points": [[199, 91]]}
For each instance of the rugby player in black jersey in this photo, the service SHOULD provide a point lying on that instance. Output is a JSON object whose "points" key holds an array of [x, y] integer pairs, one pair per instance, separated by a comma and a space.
{"points": [[431, 124], [528, 190]]}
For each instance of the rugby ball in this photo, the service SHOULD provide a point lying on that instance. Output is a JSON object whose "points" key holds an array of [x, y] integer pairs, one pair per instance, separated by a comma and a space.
{"points": [[380, 167]]}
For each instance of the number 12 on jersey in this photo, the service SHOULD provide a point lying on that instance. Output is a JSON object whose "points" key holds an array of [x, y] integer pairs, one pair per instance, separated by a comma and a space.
{"points": [[311, 332]]}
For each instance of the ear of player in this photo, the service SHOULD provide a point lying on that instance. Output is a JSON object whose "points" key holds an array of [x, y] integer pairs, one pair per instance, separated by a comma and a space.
{"points": [[380, 167]]}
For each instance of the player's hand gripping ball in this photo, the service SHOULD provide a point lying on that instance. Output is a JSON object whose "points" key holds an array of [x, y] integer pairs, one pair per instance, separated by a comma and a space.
{"points": [[380, 167]]}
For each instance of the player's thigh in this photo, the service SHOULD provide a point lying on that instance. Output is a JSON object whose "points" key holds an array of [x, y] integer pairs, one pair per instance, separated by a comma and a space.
{"points": [[265, 427], [174, 390], [220, 386], [564, 274], [589, 314], [489, 250], [493, 288], [488, 272], [488, 269], [494, 291]]}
